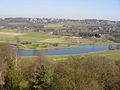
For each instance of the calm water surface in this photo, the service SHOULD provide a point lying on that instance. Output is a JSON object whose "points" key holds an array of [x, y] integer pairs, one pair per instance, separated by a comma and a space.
{"points": [[62, 51]]}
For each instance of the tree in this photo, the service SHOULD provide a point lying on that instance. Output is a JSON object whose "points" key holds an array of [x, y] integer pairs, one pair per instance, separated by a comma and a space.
{"points": [[42, 77], [2, 70], [55, 44], [11, 77], [5, 53]]}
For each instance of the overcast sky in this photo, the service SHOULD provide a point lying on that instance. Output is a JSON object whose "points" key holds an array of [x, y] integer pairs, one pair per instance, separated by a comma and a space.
{"points": [[72, 9]]}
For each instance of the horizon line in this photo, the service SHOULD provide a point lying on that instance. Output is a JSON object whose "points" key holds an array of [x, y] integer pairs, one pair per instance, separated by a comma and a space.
{"points": [[62, 18]]}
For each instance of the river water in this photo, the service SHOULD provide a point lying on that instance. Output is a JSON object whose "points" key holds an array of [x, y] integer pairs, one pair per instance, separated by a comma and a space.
{"points": [[62, 51]]}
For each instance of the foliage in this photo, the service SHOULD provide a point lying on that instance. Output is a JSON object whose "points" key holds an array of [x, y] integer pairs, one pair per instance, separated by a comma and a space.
{"points": [[93, 73], [89, 34], [55, 44], [78, 72], [41, 79], [11, 77]]}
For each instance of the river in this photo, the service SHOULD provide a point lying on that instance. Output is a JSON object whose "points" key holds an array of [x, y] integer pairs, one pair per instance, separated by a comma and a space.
{"points": [[62, 51]]}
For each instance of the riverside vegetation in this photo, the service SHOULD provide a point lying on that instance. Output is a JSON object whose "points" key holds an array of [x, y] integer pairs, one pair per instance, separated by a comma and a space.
{"points": [[43, 73]]}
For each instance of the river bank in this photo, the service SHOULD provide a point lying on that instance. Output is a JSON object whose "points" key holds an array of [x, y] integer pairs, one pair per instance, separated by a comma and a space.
{"points": [[37, 45], [114, 54]]}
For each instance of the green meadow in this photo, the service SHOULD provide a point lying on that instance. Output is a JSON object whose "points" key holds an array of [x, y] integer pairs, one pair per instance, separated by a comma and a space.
{"points": [[114, 54], [12, 34]]}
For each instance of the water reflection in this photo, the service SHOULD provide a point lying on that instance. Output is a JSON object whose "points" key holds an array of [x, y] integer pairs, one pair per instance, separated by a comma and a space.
{"points": [[113, 47]]}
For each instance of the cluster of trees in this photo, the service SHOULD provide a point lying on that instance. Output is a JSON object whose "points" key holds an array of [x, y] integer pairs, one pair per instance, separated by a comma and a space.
{"points": [[74, 73], [91, 73], [78, 33], [115, 37], [87, 34], [25, 42]]}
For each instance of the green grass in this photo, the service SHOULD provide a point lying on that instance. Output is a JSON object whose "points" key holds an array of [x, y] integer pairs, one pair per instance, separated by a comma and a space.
{"points": [[9, 38], [28, 36], [1, 27], [89, 41], [114, 54], [9, 30], [44, 37], [16, 23], [36, 36]]}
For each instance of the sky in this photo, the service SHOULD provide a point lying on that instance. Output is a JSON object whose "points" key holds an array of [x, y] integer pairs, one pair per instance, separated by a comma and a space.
{"points": [[67, 9]]}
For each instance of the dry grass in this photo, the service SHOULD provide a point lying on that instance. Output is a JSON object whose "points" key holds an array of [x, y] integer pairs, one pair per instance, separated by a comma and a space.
{"points": [[11, 34], [53, 40]]}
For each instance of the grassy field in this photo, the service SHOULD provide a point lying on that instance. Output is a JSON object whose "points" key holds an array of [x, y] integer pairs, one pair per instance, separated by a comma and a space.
{"points": [[1, 27], [36, 36], [16, 23], [9, 30], [74, 40], [28, 36], [72, 23], [114, 54], [45, 37]]}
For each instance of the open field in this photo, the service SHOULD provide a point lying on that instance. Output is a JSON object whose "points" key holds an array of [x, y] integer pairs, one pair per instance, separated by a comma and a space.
{"points": [[36, 36], [1, 27], [16, 23], [45, 37], [76, 40], [28, 36], [114, 54], [9, 30], [72, 23], [10, 34]]}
